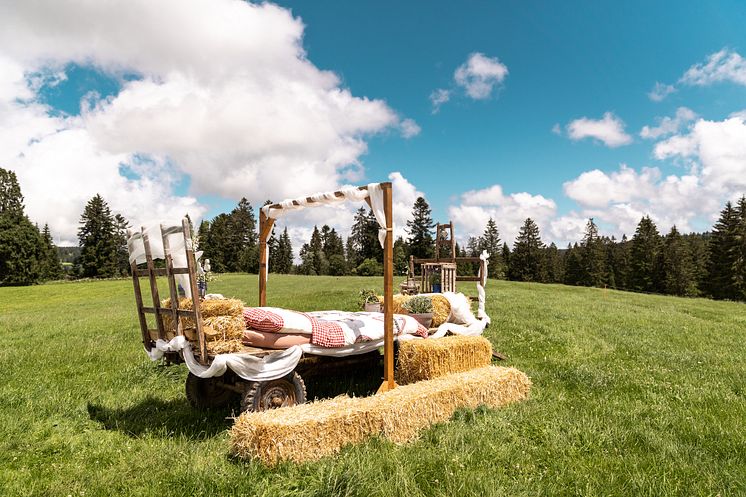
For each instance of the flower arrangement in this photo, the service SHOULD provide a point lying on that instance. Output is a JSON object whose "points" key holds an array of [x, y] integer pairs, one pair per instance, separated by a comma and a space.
{"points": [[420, 304], [367, 298]]}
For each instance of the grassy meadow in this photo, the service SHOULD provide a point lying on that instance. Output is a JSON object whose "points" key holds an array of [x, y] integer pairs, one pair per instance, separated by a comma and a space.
{"points": [[633, 395]]}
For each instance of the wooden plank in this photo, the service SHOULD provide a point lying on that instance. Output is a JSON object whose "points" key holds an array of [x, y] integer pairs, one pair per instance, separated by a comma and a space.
{"points": [[468, 278], [458, 259], [388, 293], [191, 265], [309, 200], [172, 288], [153, 282], [146, 341]]}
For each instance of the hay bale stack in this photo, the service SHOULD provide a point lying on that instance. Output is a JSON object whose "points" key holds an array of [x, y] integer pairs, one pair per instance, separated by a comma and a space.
{"points": [[222, 320], [211, 308], [441, 307], [311, 431], [431, 358]]}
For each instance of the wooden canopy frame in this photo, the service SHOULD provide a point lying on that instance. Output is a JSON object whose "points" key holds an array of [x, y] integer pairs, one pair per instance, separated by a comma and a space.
{"points": [[265, 228]]}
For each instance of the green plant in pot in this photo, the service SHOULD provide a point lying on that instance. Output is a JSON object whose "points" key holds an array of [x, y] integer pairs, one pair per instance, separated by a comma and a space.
{"points": [[369, 301], [420, 307], [435, 283]]}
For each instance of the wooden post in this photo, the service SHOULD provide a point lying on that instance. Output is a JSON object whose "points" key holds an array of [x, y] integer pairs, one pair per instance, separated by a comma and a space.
{"points": [[153, 285], [265, 228], [453, 244], [192, 267], [388, 293], [146, 341]]}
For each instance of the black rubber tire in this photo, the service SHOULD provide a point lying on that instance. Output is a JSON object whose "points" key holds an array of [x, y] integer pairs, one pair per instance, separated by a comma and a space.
{"points": [[205, 393], [282, 392]]}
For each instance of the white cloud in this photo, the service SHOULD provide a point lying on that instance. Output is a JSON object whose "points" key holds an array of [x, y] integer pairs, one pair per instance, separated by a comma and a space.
{"points": [[508, 211], [669, 125], [439, 97], [718, 148], [609, 130], [225, 96], [557, 129], [660, 91], [725, 65], [479, 75], [409, 128], [597, 189], [715, 153]]}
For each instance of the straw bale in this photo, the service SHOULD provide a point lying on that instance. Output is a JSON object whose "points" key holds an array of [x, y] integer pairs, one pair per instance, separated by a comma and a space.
{"points": [[225, 327], [441, 307], [208, 308], [434, 357], [311, 431], [225, 346]]}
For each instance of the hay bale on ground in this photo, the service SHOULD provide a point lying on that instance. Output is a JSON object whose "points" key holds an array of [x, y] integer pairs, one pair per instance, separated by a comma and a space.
{"points": [[432, 358], [311, 431]]}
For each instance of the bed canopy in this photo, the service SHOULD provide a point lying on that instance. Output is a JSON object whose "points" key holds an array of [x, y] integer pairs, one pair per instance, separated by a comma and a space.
{"points": [[379, 198]]}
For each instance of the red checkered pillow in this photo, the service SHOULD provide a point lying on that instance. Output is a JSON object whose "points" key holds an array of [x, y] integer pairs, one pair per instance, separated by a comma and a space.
{"points": [[262, 320], [326, 333]]}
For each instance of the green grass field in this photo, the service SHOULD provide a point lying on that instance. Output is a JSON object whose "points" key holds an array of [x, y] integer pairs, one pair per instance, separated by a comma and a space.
{"points": [[633, 395]]}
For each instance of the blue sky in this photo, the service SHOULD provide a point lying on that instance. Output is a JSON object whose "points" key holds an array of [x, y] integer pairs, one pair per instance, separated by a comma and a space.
{"points": [[589, 63]]}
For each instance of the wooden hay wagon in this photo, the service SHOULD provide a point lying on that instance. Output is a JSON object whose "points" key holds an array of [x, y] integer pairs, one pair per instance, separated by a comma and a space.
{"points": [[260, 377]]}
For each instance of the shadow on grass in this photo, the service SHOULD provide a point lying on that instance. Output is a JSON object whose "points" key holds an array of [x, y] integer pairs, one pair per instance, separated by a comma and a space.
{"points": [[167, 419]]}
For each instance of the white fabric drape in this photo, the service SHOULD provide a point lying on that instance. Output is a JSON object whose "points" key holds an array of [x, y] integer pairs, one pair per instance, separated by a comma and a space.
{"points": [[270, 367], [177, 249], [376, 202], [481, 313]]}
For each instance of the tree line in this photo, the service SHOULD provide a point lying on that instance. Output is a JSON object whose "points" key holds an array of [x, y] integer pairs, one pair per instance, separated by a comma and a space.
{"points": [[712, 264]]}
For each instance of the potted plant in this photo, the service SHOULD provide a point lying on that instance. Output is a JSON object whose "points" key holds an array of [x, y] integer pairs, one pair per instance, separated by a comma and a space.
{"points": [[420, 307], [435, 283], [369, 301]]}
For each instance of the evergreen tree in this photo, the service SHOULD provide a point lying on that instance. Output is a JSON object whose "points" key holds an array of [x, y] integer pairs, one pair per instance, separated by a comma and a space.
{"points": [[273, 245], [593, 255], [217, 245], [490, 241], [645, 257], [420, 229], [22, 248], [401, 260], [241, 247], [526, 261], [505, 255], [372, 247], [356, 243], [677, 266], [312, 255], [574, 271], [555, 270], [203, 235], [723, 247], [739, 256], [698, 247], [50, 269], [618, 257], [120, 228], [284, 261], [11, 200], [98, 240]]}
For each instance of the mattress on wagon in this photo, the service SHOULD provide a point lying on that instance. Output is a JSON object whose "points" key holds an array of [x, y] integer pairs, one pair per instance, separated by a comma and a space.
{"points": [[274, 327]]}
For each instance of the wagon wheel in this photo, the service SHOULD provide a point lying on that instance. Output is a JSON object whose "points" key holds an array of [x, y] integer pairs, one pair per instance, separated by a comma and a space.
{"points": [[207, 393], [282, 392]]}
